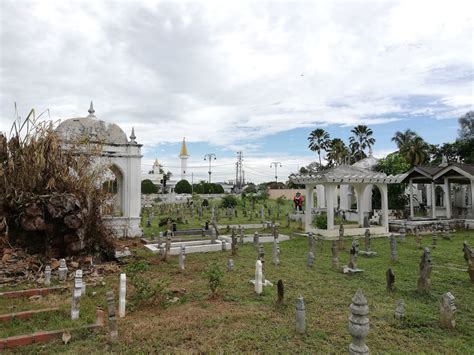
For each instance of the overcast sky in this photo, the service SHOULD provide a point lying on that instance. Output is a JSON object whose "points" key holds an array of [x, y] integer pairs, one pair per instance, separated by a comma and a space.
{"points": [[236, 75]]}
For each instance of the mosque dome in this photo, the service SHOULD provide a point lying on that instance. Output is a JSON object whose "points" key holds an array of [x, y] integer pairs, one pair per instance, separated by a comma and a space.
{"points": [[369, 163], [91, 127]]}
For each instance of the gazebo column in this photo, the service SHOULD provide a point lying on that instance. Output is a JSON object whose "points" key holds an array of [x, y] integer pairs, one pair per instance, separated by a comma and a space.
{"points": [[433, 200], [330, 195], [384, 194], [309, 189], [447, 197], [360, 192], [472, 197], [412, 209]]}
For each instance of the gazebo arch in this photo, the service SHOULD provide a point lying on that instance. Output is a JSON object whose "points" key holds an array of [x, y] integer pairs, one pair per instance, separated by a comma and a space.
{"points": [[361, 180]]}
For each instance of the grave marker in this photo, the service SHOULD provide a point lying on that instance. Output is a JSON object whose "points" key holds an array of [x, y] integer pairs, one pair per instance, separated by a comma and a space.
{"points": [[122, 295], [358, 324]]}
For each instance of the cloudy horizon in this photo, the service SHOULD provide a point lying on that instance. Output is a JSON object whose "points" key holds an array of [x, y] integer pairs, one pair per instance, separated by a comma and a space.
{"points": [[250, 76]]}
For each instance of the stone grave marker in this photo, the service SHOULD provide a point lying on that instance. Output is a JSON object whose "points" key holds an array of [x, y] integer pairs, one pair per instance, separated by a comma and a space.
{"points": [[390, 276], [230, 265], [425, 272], [393, 248], [113, 333], [258, 277], [358, 324], [300, 315], [62, 271], [469, 257], [47, 275], [280, 292], [276, 252], [400, 309], [76, 295], [310, 261], [122, 294], [182, 258], [447, 309]]}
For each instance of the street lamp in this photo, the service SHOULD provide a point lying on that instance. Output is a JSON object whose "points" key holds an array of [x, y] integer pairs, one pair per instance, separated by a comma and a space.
{"points": [[209, 157], [276, 164]]}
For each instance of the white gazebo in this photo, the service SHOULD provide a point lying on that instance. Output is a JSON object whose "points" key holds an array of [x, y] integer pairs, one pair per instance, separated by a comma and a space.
{"points": [[329, 181], [123, 159]]}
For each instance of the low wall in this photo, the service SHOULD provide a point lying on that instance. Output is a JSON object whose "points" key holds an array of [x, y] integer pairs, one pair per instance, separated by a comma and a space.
{"points": [[288, 193]]}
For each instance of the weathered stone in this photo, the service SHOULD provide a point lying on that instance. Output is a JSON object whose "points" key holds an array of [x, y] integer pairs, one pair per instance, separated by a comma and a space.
{"points": [[230, 265], [393, 248], [400, 309], [62, 271], [182, 258], [353, 254], [76, 295], [340, 241], [276, 252], [367, 239], [469, 257], [280, 292], [418, 238], [358, 324], [447, 310], [122, 295], [113, 333], [310, 261], [311, 242], [255, 239], [47, 275], [241, 235], [234, 242], [213, 235], [424, 282], [300, 316], [434, 239], [403, 233], [390, 276], [335, 259]]}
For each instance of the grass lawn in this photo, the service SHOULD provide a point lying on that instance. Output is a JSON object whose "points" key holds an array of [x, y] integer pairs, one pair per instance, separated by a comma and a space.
{"points": [[239, 320]]}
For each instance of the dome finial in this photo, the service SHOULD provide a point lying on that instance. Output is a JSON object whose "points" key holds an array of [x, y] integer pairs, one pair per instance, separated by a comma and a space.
{"points": [[132, 136], [91, 109]]}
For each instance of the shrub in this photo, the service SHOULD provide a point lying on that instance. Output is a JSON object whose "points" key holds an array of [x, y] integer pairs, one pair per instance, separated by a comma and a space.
{"points": [[146, 291], [229, 201], [321, 221], [183, 187], [148, 187], [214, 275]]}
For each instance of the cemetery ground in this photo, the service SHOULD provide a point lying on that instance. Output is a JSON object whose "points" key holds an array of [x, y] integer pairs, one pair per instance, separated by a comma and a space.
{"points": [[184, 317]]}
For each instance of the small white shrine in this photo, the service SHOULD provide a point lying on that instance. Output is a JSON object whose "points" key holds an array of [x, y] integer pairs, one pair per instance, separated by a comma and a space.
{"points": [[123, 159], [345, 178]]}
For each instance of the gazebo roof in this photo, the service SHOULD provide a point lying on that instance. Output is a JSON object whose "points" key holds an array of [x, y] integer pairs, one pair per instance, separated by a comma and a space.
{"points": [[428, 173], [347, 174]]}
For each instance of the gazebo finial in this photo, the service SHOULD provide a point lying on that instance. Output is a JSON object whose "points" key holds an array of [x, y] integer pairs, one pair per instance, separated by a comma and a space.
{"points": [[91, 109], [133, 137]]}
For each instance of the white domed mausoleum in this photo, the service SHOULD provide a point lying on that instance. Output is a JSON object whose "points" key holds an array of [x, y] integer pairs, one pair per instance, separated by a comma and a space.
{"points": [[123, 158]]}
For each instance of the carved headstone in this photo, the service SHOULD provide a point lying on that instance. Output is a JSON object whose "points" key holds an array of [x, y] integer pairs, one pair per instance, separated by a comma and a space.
{"points": [[358, 324], [234, 242], [390, 279], [280, 292], [310, 259], [113, 333], [62, 271], [469, 257], [447, 310], [400, 309], [353, 254], [182, 258], [76, 295], [393, 248], [367, 239], [300, 315], [340, 241], [230, 265], [255, 239], [213, 235], [276, 252], [335, 258], [47, 275], [425, 272]]}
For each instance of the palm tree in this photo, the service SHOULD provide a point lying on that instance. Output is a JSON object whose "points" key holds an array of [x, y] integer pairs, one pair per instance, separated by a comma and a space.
{"points": [[402, 139], [361, 139], [318, 140], [416, 152], [337, 152]]}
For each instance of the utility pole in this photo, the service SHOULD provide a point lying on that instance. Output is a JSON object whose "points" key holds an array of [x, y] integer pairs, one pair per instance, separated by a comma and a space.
{"points": [[209, 157], [192, 183], [276, 164], [238, 171]]}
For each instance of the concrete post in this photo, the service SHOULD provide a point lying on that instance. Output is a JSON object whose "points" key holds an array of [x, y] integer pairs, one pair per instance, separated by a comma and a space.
{"points": [[412, 209], [433, 200], [330, 192], [384, 193], [309, 207], [447, 197]]}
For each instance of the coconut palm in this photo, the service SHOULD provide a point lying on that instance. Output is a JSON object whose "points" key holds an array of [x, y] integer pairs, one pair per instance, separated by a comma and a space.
{"points": [[318, 140], [337, 152], [416, 152], [402, 139], [361, 139]]}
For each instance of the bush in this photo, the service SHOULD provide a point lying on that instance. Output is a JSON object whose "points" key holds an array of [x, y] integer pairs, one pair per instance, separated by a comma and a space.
{"points": [[147, 292], [148, 187], [214, 275], [251, 188], [321, 221], [229, 201], [183, 187]]}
